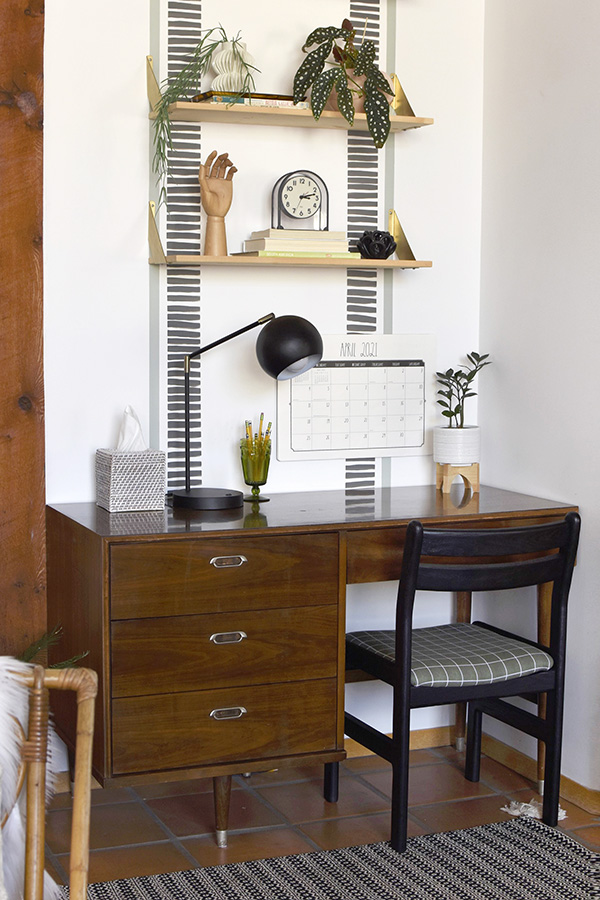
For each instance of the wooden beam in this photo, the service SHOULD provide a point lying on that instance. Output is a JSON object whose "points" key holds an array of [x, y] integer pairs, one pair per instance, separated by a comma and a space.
{"points": [[22, 497]]}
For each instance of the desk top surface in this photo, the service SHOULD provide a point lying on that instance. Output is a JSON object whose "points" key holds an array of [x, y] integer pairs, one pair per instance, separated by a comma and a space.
{"points": [[320, 510]]}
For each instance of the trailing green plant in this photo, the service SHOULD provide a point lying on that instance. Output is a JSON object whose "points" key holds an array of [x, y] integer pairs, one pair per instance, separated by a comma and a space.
{"points": [[348, 64], [183, 86], [48, 639], [457, 387]]}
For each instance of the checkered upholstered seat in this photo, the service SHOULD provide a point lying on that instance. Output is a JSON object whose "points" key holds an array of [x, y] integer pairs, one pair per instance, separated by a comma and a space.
{"points": [[448, 655]]}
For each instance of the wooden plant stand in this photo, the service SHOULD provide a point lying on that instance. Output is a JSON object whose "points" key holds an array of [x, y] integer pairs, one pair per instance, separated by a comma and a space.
{"points": [[445, 475]]}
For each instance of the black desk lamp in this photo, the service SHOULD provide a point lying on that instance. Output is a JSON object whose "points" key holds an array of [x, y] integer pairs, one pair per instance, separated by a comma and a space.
{"points": [[287, 346]]}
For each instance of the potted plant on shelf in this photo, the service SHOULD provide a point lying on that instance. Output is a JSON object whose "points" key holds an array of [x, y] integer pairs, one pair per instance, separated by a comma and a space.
{"points": [[187, 82], [457, 444], [351, 72]]}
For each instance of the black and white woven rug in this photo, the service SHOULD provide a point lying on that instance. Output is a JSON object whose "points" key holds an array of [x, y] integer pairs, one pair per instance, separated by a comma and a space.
{"points": [[518, 860]]}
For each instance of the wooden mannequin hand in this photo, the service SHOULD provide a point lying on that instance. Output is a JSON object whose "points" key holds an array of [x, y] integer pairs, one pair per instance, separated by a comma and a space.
{"points": [[216, 187]]}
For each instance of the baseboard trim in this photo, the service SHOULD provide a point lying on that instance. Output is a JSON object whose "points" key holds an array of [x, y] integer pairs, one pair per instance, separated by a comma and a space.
{"points": [[423, 739], [427, 738], [585, 798]]}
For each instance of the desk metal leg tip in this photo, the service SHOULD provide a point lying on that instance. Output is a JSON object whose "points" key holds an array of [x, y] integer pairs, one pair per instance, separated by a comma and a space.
{"points": [[460, 744], [221, 838]]}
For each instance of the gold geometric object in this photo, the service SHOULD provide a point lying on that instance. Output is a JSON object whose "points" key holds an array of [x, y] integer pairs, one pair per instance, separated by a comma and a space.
{"points": [[403, 249], [157, 254], [400, 103], [152, 86]]}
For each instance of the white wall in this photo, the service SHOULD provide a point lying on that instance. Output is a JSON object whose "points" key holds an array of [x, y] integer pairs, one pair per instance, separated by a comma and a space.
{"points": [[95, 245], [540, 316]]}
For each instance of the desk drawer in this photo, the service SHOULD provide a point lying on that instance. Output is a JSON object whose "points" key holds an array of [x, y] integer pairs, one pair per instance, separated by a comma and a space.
{"points": [[247, 647], [166, 578], [171, 731]]}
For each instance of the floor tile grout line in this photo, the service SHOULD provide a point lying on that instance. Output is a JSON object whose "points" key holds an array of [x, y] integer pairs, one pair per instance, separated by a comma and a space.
{"points": [[173, 838], [295, 828]]}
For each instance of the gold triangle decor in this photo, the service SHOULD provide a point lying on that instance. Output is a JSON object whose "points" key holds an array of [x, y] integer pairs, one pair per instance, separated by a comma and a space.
{"points": [[403, 249]]}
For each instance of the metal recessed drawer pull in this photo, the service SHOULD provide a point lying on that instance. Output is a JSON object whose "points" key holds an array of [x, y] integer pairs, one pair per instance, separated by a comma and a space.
{"points": [[231, 712], [228, 562], [228, 637]]}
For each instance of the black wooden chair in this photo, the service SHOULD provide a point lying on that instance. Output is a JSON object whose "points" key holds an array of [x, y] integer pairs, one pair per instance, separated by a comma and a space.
{"points": [[474, 662]]}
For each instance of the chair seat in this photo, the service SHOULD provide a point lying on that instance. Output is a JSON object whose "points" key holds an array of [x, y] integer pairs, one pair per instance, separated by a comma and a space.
{"points": [[454, 655]]}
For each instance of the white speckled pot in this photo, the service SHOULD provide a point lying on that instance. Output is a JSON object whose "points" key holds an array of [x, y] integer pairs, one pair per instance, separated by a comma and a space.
{"points": [[456, 446]]}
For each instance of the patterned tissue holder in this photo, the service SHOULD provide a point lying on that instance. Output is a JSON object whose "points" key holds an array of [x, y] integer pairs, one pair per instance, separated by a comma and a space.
{"points": [[130, 481]]}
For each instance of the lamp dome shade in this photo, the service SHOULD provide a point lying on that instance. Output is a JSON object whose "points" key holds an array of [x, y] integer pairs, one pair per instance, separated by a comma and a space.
{"points": [[288, 346]]}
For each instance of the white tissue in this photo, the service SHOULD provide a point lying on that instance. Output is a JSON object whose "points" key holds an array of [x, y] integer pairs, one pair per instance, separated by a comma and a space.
{"points": [[532, 810], [131, 439]]}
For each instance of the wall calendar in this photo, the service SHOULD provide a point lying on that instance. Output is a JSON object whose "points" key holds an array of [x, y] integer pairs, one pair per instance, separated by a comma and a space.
{"points": [[367, 397]]}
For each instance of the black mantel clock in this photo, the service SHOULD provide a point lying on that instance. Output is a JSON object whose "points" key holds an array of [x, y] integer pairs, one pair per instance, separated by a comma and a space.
{"points": [[300, 200]]}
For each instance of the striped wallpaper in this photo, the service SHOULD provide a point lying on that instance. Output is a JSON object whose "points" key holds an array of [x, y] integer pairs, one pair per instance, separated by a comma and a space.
{"points": [[183, 294]]}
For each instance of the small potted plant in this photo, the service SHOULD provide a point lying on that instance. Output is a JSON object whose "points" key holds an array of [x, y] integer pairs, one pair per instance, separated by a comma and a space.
{"points": [[187, 82], [351, 72], [457, 444]]}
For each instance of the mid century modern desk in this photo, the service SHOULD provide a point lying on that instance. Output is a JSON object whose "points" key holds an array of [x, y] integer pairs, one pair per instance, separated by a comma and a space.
{"points": [[218, 638]]}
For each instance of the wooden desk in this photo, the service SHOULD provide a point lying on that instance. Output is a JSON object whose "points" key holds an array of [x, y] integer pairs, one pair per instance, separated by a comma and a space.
{"points": [[218, 638]]}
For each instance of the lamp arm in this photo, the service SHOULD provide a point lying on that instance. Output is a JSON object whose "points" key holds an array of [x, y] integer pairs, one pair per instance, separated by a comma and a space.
{"points": [[233, 334], [186, 370]]}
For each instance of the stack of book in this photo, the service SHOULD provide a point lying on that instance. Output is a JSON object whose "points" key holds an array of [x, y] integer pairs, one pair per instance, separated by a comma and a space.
{"points": [[277, 100], [290, 242]]}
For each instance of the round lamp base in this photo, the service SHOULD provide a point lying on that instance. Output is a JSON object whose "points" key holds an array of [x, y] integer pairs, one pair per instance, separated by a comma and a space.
{"points": [[208, 498]]}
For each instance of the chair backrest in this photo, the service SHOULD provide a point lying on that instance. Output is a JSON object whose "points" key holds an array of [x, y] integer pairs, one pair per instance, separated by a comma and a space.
{"points": [[493, 559]]}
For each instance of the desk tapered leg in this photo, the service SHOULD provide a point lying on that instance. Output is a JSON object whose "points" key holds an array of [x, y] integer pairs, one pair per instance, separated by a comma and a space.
{"points": [[544, 612], [222, 794], [463, 614]]}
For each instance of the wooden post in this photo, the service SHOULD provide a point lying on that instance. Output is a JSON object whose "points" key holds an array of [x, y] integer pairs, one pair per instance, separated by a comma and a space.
{"points": [[463, 614], [22, 574]]}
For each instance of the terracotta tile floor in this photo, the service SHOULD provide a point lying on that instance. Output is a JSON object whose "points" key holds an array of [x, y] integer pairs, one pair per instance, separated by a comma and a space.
{"points": [[167, 828]]}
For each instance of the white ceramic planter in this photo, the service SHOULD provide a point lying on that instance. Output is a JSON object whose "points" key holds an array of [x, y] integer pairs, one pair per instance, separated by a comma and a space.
{"points": [[456, 446], [229, 67]]}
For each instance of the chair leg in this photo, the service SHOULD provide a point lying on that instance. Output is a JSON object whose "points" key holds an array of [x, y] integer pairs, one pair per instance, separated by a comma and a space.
{"points": [[400, 761], [473, 755], [552, 761], [331, 782]]}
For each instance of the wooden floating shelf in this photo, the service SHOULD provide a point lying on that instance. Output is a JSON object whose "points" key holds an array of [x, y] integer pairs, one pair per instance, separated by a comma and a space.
{"points": [[186, 111], [304, 261]]}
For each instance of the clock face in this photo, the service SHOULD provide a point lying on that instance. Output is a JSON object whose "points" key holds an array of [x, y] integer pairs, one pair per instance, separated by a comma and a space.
{"points": [[300, 200], [300, 196]]}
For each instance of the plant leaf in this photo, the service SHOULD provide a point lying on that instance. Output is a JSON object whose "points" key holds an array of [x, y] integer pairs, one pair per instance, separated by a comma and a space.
{"points": [[345, 101], [324, 34], [378, 117], [376, 80], [321, 90], [310, 70], [364, 58]]}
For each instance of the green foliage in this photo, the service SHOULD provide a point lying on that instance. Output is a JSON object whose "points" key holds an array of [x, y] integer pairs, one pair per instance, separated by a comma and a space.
{"points": [[457, 387], [183, 86], [347, 64], [48, 639]]}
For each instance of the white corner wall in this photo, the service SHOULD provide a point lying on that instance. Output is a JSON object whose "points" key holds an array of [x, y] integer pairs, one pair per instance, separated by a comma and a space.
{"points": [[540, 316], [95, 234]]}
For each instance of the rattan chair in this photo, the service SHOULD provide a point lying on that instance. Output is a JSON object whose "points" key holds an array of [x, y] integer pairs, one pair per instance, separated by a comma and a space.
{"points": [[474, 662], [33, 775]]}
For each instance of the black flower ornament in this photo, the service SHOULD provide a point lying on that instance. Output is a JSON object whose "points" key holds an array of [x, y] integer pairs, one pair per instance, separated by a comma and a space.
{"points": [[376, 245]]}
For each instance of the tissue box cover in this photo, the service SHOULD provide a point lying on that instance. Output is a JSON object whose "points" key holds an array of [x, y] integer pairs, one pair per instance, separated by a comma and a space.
{"points": [[130, 481]]}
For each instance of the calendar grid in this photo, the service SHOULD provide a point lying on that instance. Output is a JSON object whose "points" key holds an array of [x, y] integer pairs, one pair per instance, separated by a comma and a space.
{"points": [[359, 405]]}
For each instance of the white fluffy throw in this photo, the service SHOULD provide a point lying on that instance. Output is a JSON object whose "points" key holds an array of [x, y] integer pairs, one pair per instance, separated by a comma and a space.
{"points": [[14, 705]]}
